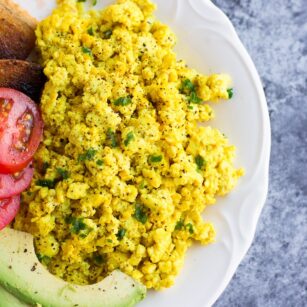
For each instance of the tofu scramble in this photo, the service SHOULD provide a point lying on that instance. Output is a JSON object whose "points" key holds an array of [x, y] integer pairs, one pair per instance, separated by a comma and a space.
{"points": [[124, 171]]}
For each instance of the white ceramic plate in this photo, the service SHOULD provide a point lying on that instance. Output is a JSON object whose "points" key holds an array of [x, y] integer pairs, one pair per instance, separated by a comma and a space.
{"points": [[209, 43]]}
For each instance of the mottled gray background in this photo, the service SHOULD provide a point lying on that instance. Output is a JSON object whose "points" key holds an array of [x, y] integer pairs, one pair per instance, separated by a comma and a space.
{"points": [[274, 272]]}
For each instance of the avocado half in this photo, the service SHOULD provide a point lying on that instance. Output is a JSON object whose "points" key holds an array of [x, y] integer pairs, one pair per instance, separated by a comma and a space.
{"points": [[29, 282]]}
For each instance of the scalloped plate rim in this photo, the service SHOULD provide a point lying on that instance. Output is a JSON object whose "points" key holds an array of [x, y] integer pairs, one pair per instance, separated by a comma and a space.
{"points": [[262, 175]]}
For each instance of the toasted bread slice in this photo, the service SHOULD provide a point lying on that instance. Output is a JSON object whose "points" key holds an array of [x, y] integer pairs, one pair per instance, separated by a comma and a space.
{"points": [[17, 37], [23, 76]]}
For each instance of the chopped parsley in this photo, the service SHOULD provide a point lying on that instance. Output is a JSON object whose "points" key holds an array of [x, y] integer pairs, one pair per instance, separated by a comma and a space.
{"points": [[179, 225], [43, 259], [107, 34], [88, 155], [230, 93], [87, 51], [129, 138], [63, 173], [200, 161], [94, 2], [155, 158], [90, 31], [140, 213], [188, 88], [99, 162], [46, 183], [78, 226], [111, 138], [121, 233], [190, 227], [99, 259], [123, 101], [193, 98], [142, 185]]}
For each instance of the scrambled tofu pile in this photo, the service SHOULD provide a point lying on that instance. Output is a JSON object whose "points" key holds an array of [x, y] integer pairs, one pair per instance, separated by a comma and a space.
{"points": [[124, 170]]}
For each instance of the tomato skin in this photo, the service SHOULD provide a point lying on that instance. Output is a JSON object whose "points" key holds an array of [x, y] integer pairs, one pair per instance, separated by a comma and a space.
{"points": [[8, 210], [11, 185], [12, 130]]}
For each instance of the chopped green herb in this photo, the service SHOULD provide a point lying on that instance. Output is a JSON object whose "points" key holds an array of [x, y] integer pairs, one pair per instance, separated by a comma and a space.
{"points": [[81, 0], [77, 226], [109, 241], [46, 183], [121, 233], [111, 138], [140, 213], [230, 93], [87, 50], [63, 173], [155, 158], [99, 162], [190, 227], [199, 160], [190, 107], [94, 2], [90, 31], [107, 34], [193, 98], [99, 259], [179, 225], [43, 259], [123, 101], [88, 155], [142, 185], [187, 87], [129, 138]]}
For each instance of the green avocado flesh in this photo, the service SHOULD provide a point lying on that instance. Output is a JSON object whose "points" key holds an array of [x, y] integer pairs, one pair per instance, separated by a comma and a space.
{"points": [[9, 300], [28, 282]]}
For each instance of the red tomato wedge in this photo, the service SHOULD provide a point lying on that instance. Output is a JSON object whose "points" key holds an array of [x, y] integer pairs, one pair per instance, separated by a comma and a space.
{"points": [[13, 184], [21, 129], [8, 210]]}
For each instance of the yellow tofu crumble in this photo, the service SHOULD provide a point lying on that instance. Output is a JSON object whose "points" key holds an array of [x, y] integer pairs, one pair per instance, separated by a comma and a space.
{"points": [[124, 171]]}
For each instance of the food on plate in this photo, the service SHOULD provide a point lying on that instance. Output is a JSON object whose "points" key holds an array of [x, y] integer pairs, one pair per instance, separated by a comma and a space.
{"points": [[30, 281], [21, 129], [8, 210], [17, 36], [26, 77], [124, 171], [14, 184]]}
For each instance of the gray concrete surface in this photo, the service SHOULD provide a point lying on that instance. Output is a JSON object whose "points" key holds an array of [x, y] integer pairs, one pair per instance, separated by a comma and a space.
{"points": [[274, 272]]}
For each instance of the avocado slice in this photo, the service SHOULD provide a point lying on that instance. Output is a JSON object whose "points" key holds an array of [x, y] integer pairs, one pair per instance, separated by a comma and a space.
{"points": [[9, 300], [22, 275]]}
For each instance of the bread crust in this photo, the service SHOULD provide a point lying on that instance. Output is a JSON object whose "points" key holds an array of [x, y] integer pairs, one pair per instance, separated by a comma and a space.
{"points": [[17, 31], [23, 76]]}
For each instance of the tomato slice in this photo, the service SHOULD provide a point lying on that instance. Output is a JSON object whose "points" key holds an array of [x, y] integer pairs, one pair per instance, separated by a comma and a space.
{"points": [[13, 184], [8, 210], [21, 129]]}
